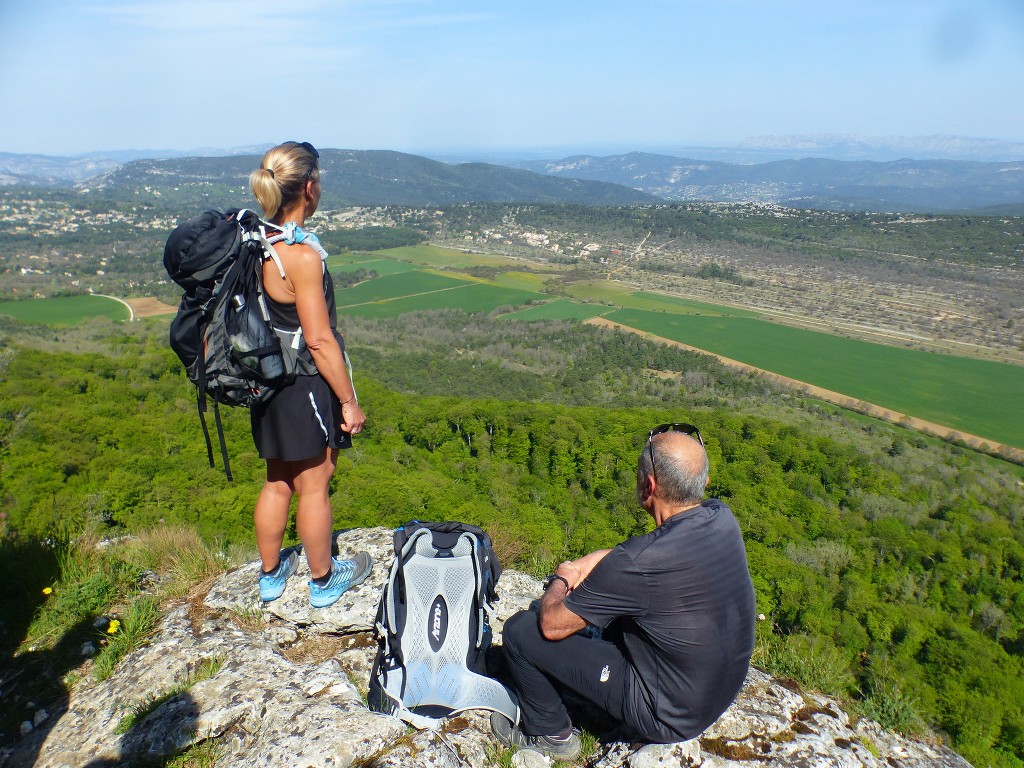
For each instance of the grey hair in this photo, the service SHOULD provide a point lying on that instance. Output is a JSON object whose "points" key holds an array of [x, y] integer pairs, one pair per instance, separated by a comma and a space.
{"points": [[681, 480]]}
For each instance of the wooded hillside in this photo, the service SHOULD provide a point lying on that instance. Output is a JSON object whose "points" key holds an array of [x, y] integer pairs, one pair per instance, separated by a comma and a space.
{"points": [[887, 566]]}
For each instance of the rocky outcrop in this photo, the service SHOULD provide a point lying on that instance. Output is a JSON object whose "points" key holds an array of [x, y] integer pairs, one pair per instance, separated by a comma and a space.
{"points": [[288, 682]]}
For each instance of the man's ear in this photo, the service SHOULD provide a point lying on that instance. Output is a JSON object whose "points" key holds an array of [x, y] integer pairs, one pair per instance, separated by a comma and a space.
{"points": [[647, 486]]}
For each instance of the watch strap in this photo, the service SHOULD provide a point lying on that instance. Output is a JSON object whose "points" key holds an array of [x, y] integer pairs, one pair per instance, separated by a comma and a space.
{"points": [[555, 577]]}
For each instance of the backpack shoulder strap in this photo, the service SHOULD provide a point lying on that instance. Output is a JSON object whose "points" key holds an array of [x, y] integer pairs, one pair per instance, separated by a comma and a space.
{"points": [[254, 229]]}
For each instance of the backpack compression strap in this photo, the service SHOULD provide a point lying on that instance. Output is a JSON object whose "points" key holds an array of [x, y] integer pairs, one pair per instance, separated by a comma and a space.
{"points": [[259, 234], [201, 392]]}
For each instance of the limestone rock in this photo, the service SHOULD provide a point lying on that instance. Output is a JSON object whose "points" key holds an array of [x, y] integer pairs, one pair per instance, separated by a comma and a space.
{"points": [[289, 684], [283, 636], [530, 759]]}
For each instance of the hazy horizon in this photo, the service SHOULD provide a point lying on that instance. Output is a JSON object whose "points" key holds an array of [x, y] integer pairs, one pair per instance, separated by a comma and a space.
{"points": [[748, 151]]}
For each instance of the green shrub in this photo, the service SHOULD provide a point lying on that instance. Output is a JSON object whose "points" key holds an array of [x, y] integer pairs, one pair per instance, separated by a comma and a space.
{"points": [[813, 661], [88, 582], [890, 707]]}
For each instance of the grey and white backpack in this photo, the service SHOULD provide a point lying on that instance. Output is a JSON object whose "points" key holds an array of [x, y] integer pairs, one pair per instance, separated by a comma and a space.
{"points": [[434, 626]]}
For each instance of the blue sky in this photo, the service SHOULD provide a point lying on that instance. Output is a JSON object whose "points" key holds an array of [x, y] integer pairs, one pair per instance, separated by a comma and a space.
{"points": [[454, 75]]}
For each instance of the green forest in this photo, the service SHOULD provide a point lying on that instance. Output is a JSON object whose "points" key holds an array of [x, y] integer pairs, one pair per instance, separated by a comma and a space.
{"points": [[888, 566]]}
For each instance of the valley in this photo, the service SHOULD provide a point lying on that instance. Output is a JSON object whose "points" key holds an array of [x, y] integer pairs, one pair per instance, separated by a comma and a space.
{"points": [[949, 285], [940, 303]]}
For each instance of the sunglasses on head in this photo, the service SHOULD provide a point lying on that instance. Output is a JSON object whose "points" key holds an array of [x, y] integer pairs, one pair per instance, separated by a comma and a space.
{"points": [[686, 429], [316, 156], [308, 147]]}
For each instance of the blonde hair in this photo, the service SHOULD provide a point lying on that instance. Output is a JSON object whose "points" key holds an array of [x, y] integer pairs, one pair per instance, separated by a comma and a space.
{"points": [[281, 178]]}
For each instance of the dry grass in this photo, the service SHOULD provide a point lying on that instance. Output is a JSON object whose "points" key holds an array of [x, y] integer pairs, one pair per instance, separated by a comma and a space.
{"points": [[149, 307], [178, 554], [509, 546], [313, 649]]}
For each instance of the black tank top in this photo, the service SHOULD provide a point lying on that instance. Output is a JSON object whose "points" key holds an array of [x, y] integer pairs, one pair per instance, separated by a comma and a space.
{"points": [[286, 316]]}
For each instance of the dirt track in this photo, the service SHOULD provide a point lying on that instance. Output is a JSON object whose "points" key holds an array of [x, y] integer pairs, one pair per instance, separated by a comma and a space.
{"points": [[937, 430], [149, 307]]}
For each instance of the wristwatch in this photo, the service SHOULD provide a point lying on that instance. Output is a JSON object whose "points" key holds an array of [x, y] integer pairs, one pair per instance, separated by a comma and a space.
{"points": [[556, 577]]}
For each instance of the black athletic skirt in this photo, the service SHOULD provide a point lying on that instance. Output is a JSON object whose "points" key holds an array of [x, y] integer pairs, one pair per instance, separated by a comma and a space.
{"points": [[299, 422]]}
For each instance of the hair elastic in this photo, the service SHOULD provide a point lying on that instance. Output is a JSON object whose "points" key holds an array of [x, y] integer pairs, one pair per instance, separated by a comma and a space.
{"points": [[271, 172]]}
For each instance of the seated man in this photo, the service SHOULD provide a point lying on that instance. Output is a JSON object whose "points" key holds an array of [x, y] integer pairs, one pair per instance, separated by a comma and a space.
{"points": [[676, 607]]}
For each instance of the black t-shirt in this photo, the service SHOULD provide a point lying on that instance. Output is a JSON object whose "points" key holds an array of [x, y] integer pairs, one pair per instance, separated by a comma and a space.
{"points": [[685, 602]]}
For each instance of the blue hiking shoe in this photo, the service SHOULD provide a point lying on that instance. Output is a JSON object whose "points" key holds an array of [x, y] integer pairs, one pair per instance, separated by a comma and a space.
{"points": [[344, 574], [272, 584]]}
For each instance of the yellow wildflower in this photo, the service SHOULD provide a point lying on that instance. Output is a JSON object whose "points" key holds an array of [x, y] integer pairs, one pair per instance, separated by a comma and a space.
{"points": [[114, 626], [47, 590]]}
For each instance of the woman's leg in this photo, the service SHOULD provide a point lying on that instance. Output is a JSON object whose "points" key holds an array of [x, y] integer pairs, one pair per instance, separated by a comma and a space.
{"points": [[271, 516], [314, 519]]}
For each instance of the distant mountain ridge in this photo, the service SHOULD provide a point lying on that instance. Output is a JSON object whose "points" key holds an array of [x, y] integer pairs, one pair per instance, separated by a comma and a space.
{"points": [[45, 171], [381, 177], [54, 171], [882, 148], [901, 185]]}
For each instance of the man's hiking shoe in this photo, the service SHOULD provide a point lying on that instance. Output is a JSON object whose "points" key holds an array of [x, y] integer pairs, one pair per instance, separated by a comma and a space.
{"points": [[344, 574], [272, 584], [567, 748]]}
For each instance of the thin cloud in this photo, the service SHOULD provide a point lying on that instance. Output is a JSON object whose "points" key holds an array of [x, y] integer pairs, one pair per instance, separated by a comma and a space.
{"points": [[262, 17]]}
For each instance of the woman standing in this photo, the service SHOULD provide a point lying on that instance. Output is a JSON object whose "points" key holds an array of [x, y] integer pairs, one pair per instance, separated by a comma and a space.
{"points": [[300, 430]]}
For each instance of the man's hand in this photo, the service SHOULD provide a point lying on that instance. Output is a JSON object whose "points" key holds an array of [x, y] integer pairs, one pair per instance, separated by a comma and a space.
{"points": [[575, 571], [556, 621]]}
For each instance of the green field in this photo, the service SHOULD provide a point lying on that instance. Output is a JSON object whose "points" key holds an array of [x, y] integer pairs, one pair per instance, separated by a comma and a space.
{"points": [[657, 302], [432, 256], [604, 290], [979, 397], [469, 297], [64, 310], [380, 266], [560, 309], [396, 286], [624, 296], [526, 281]]}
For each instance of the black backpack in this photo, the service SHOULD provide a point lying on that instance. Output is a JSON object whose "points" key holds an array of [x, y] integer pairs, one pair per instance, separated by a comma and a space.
{"points": [[222, 332], [433, 626]]}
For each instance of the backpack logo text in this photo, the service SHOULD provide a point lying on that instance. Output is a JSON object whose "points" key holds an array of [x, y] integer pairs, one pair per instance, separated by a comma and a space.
{"points": [[438, 623]]}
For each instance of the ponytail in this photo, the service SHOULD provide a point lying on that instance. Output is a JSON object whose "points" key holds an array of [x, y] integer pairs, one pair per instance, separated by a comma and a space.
{"points": [[282, 175], [264, 188]]}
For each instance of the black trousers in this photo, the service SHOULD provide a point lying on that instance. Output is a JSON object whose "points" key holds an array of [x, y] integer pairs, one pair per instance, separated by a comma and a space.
{"points": [[594, 668]]}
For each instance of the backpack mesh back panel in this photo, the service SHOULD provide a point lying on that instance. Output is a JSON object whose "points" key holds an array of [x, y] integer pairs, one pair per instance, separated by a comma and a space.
{"points": [[433, 627]]}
